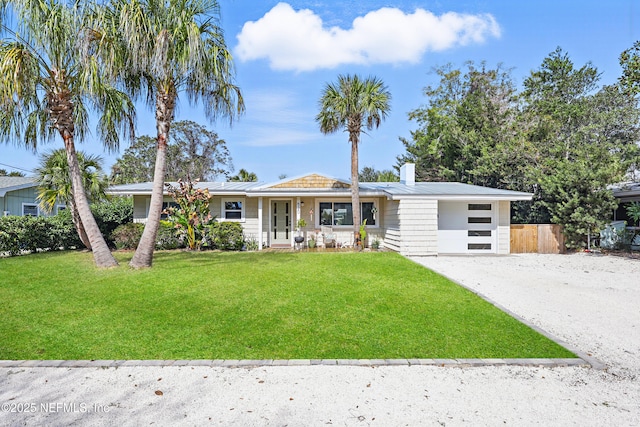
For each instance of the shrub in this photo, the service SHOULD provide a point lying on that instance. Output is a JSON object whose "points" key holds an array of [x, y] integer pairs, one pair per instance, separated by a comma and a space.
{"points": [[65, 231], [127, 236], [168, 237], [27, 233], [112, 213], [251, 243], [226, 236]]}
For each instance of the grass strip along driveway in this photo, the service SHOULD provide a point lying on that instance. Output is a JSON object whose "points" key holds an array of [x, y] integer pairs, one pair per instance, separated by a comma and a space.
{"points": [[250, 306]]}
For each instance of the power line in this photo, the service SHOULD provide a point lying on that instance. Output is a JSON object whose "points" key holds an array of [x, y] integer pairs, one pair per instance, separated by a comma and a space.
{"points": [[15, 167]]}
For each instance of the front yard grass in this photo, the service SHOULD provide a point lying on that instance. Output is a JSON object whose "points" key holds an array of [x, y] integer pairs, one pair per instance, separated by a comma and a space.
{"points": [[254, 305]]}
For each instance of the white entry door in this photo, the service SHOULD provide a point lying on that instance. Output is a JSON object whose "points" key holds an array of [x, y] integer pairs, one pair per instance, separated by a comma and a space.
{"points": [[280, 222]]}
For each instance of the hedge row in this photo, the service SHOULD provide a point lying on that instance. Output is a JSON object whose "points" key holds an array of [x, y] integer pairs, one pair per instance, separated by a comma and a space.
{"points": [[226, 236], [20, 234], [27, 233]]}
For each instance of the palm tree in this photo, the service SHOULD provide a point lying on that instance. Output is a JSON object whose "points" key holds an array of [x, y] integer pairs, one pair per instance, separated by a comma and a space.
{"points": [[168, 47], [46, 88], [353, 104], [55, 184], [244, 176]]}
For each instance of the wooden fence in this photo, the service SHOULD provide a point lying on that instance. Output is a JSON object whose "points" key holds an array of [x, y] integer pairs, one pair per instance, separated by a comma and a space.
{"points": [[537, 238]]}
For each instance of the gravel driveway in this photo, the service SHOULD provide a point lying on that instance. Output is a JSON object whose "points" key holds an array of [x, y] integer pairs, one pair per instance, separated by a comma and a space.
{"points": [[590, 302]]}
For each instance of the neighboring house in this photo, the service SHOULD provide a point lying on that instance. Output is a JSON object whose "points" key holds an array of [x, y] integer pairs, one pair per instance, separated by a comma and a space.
{"points": [[18, 197], [626, 193], [413, 218]]}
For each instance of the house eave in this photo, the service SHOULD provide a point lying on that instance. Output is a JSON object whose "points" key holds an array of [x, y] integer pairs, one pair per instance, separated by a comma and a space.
{"points": [[5, 190], [312, 193], [165, 193], [454, 197]]}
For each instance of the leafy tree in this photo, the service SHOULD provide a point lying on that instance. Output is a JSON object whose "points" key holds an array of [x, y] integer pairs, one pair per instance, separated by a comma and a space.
{"points": [[353, 104], [137, 163], [562, 138], [467, 131], [49, 87], [388, 176], [3, 172], [55, 184], [585, 140], [159, 49], [633, 212], [192, 151], [192, 216], [370, 174], [244, 176], [630, 63]]}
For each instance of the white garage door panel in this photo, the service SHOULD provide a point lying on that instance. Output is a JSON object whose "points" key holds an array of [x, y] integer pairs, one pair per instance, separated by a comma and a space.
{"points": [[456, 234]]}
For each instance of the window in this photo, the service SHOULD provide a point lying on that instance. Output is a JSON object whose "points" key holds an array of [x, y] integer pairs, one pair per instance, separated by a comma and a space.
{"points": [[232, 210], [479, 206], [341, 213], [368, 212], [165, 206], [29, 209], [479, 220], [479, 246], [479, 233]]}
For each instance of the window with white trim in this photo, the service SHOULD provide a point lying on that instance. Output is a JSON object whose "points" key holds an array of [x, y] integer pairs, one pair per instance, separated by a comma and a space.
{"points": [[341, 213], [166, 205], [30, 209], [232, 209]]}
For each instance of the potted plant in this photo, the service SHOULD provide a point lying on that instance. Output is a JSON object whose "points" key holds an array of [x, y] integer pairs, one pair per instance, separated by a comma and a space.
{"points": [[312, 241], [363, 235], [299, 226], [375, 245]]}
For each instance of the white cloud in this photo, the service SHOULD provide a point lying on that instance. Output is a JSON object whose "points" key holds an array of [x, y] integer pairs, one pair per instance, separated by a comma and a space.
{"points": [[298, 40]]}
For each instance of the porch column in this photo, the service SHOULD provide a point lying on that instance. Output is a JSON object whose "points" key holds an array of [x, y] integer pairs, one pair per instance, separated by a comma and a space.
{"points": [[259, 223]]}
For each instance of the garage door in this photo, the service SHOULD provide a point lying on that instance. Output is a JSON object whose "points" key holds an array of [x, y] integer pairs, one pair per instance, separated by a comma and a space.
{"points": [[467, 227]]}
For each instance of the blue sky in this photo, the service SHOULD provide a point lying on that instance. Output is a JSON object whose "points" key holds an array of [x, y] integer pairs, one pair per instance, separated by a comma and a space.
{"points": [[286, 52]]}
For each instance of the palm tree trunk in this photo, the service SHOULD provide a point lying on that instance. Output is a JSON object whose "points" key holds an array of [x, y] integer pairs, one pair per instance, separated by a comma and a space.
{"points": [[101, 253], [355, 188], [143, 257], [77, 222]]}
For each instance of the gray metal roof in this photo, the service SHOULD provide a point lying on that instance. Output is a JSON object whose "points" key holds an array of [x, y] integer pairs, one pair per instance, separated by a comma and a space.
{"points": [[12, 183], [214, 187], [392, 190], [626, 190], [439, 190]]}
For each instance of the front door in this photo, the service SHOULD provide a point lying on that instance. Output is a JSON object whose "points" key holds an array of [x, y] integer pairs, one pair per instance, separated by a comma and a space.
{"points": [[280, 223]]}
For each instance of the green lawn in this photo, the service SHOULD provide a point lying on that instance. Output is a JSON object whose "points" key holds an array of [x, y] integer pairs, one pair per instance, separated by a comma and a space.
{"points": [[250, 306]]}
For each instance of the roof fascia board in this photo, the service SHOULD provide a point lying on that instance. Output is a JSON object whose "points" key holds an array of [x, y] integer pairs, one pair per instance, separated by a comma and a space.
{"points": [[461, 197], [148, 193], [5, 190], [293, 193]]}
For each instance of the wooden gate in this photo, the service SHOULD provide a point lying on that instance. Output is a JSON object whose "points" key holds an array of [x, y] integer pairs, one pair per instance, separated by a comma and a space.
{"points": [[537, 238]]}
